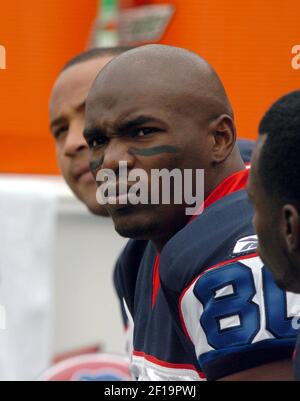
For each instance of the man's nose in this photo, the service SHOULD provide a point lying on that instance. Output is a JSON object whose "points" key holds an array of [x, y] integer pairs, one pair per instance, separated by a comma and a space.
{"points": [[75, 141]]}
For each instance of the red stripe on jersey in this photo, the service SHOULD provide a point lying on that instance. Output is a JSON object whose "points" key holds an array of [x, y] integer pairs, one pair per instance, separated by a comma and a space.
{"points": [[224, 263], [165, 364], [231, 184], [155, 280]]}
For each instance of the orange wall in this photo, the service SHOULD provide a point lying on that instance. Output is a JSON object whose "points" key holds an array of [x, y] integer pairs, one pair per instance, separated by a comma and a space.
{"points": [[39, 36], [248, 42]]}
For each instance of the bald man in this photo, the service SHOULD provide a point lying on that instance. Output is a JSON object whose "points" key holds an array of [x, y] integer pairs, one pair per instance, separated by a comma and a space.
{"points": [[67, 113], [197, 299]]}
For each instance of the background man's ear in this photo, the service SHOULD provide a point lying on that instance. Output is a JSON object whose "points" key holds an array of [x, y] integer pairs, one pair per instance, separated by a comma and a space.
{"points": [[224, 134], [291, 227]]}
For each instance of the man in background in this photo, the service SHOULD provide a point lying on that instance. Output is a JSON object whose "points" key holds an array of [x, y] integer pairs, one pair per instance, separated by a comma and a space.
{"points": [[274, 189], [67, 113]]}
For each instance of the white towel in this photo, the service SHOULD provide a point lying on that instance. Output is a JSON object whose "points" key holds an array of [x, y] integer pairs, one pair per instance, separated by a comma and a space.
{"points": [[27, 224]]}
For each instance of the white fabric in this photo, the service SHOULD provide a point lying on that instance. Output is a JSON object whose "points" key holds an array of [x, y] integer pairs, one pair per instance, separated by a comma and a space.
{"points": [[27, 222], [146, 370]]}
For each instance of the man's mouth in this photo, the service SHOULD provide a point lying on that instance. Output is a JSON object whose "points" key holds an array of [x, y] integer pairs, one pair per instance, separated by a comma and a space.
{"points": [[83, 174], [117, 194]]}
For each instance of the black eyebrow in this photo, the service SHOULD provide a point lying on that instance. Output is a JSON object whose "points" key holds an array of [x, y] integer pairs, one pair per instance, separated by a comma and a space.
{"points": [[123, 127], [136, 122], [57, 121], [92, 133]]}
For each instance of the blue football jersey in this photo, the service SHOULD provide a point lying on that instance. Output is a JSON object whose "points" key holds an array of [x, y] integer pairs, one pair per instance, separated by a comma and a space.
{"points": [[246, 148], [206, 307]]}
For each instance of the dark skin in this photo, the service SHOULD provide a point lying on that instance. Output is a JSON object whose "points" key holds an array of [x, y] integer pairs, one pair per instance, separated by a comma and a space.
{"points": [[96, 164], [155, 97], [278, 228], [183, 120]]}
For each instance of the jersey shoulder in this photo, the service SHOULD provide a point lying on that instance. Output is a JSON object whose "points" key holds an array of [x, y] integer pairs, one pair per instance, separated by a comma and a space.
{"points": [[222, 232], [223, 299], [127, 268], [130, 257], [237, 318]]}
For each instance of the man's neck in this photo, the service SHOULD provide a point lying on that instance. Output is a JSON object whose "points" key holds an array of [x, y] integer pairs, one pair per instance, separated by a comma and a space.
{"points": [[232, 168], [232, 165]]}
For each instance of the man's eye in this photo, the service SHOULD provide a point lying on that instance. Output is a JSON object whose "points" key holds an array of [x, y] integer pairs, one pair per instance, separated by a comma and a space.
{"points": [[96, 142], [144, 132], [60, 131]]}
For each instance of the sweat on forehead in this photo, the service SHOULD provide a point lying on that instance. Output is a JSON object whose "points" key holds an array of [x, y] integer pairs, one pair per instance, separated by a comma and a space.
{"points": [[164, 69]]}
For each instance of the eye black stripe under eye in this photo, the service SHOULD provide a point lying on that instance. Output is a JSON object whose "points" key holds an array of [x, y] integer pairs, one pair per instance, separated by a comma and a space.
{"points": [[96, 164], [153, 151]]}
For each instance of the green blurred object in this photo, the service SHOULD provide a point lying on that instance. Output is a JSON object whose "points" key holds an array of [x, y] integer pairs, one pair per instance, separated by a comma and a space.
{"points": [[109, 8], [131, 26], [106, 33]]}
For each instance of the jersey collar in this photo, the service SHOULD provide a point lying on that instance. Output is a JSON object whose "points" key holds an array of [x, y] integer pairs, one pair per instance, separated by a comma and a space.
{"points": [[231, 184]]}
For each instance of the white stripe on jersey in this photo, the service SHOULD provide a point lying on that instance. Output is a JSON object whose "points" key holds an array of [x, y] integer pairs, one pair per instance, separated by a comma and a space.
{"points": [[146, 370]]}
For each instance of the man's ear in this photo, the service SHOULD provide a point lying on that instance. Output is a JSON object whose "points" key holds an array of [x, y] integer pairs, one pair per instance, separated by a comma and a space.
{"points": [[224, 136], [291, 227]]}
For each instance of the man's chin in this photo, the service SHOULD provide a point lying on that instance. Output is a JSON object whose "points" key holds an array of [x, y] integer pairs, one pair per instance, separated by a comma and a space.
{"points": [[136, 229], [138, 233]]}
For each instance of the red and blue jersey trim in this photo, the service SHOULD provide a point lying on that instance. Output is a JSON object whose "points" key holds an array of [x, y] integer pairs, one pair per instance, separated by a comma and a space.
{"points": [[231, 184]]}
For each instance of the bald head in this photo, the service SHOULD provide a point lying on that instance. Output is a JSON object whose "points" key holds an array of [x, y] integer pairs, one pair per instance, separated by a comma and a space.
{"points": [[160, 107], [179, 75]]}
